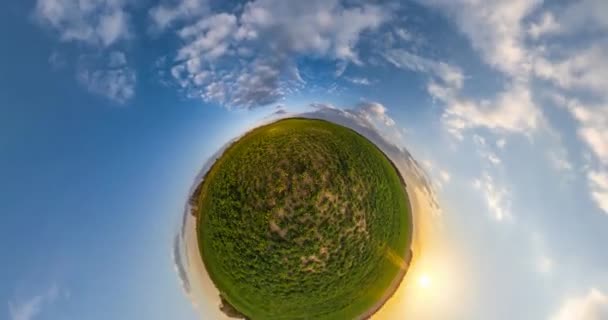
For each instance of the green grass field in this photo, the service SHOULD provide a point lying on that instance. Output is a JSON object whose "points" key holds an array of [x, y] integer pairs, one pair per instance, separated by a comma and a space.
{"points": [[303, 219]]}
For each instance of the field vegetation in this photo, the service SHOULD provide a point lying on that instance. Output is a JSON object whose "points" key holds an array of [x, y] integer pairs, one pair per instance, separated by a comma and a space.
{"points": [[303, 219]]}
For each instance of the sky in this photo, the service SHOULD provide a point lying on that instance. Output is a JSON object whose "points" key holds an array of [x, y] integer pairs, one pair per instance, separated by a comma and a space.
{"points": [[110, 108]]}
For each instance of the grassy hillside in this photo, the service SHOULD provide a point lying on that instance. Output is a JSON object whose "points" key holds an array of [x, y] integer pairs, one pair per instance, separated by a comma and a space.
{"points": [[303, 219]]}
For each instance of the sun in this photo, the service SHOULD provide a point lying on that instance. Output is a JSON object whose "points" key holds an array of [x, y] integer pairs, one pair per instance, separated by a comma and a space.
{"points": [[424, 281]]}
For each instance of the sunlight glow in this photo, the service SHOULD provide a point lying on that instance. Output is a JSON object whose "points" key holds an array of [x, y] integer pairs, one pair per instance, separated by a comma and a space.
{"points": [[424, 281]]}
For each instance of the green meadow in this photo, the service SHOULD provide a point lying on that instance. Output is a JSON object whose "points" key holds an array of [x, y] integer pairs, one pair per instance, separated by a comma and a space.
{"points": [[303, 219]]}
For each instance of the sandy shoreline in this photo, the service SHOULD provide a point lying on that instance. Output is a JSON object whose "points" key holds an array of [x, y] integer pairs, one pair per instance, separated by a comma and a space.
{"points": [[203, 292]]}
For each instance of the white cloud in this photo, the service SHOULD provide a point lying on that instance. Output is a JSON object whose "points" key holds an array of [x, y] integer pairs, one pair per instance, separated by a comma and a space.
{"points": [[441, 176], [598, 184], [209, 38], [247, 59], [326, 28], [592, 306], [362, 81], [404, 34], [367, 114], [575, 17], [580, 74], [585, 69], [494, 28], [374, 111], [117, 85], [498, 32], [450, 75], [259, 86], [559, 160], [101, 24], [30, 308], [445, 176], [164, 15], [114, 80], [112, 27], [501, 143], [493, 158], [511, 111], [479, 140], [485, 150], [117, 59], [544, 264], [497, 198], [57, 61], [96, 22], [546, 24], [592, 130], [527, 43]]}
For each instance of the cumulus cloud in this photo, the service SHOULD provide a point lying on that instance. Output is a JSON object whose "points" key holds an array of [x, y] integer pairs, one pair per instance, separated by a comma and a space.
{"points": [[209, 38], [96, 22], [592, 306], [114, 80], [511, 111], [30, 308], [374, 111], [326, 28], [247, 59]]}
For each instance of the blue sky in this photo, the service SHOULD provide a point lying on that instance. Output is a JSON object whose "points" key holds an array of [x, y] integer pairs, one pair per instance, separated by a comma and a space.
{"points": [[109, 108]]}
